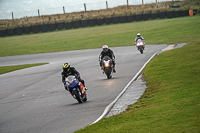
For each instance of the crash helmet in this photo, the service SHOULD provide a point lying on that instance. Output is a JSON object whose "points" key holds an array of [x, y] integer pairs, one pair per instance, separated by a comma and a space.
{"points": [[138, 34], [66, 67], [105, 48]]}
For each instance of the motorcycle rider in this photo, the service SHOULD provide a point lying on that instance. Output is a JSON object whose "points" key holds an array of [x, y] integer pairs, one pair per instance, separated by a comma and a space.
{"points": [[139, 37], [107, 52], [67, 70]]}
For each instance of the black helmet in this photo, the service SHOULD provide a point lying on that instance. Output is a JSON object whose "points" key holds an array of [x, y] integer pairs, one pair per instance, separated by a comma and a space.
{"points": [[66, 67]]}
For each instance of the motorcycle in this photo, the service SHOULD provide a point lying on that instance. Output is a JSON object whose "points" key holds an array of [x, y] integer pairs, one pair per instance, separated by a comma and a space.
{"points": [[140, 45], [107, 66], [76, 89]]}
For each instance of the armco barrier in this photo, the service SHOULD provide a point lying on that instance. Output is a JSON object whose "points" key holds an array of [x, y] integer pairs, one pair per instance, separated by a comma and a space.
{"points": [[162, 15], [115, 20], [68, 25], [108, 21], [60, 26], [19, 30], [123, 19], [100, 21], [52, 27], [177, 14], [146, 16], [35, 28], [185, 13], [130, 18], [170, 14], [84, 23], [76, 24], [154, 16], [44, 27], [93, 22], [27, 30], [3, 33], [138, 17], [10, 32]]}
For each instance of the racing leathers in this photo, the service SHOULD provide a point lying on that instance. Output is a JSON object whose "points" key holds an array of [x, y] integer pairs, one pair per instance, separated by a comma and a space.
{"points": [[72, 71], [109, 53], [140, 37]]}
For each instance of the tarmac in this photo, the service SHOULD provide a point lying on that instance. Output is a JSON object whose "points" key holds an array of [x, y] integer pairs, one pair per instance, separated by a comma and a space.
{"points": [[135, 90]]}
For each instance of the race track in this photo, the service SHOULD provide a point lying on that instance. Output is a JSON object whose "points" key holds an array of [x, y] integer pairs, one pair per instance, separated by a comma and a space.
{"points": [[33, 100]]}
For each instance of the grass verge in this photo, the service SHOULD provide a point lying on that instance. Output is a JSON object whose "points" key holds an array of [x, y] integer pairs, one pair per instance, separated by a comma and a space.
{"points": [[171, 100], [161, 31], [110, 12], [6, 69]]}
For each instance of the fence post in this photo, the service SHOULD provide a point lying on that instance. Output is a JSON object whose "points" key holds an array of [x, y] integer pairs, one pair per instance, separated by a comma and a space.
{"points": [[12, 16], [38, 12], [106, 4], [142, 2], [63, 9], [85, 6], [127, 2]]}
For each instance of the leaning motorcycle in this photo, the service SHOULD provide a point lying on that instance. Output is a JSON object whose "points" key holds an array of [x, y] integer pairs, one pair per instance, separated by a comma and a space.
{"points": [[107, 66], [76, 89], [140, 45]]}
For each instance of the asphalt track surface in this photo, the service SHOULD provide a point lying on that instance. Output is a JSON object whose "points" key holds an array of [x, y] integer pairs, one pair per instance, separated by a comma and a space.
{"points": [[33, 100]]}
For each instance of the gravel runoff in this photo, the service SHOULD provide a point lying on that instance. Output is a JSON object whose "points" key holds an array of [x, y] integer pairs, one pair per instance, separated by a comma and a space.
{"points": [[135, 90]]}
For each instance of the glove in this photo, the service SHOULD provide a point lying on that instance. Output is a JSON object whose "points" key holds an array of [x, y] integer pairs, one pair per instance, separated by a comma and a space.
{"points": [[78, 77]]}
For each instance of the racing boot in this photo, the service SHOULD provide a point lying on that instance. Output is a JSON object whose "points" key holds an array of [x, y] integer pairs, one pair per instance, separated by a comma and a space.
{"points": [[114, 67]]}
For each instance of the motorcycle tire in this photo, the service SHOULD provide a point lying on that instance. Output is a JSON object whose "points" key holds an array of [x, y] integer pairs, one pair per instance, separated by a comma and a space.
{"points": [[141, 51], [108, 73], [78, 97], [85, 99]]}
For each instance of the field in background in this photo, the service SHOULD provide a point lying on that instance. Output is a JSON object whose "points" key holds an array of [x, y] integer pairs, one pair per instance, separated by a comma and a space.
{"points": [[171, 100], [161, 31], [105, 13]]}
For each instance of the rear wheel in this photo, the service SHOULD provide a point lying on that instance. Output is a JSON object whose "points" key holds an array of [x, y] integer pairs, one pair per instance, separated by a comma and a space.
{"points": [[78, 96]]}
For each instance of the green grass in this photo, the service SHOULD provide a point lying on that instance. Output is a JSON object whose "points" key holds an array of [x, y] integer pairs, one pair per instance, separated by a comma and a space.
{"points": [[170, 103], [163, 31], [171, 100], [6, 69]]}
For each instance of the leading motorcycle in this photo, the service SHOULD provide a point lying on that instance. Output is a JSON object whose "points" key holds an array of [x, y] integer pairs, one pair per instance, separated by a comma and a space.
{"points": [[76, 89], [140, 45], [107, 66]]}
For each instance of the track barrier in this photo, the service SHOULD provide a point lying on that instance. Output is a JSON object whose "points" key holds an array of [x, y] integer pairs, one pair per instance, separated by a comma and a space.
{"points": [[94, 22]]}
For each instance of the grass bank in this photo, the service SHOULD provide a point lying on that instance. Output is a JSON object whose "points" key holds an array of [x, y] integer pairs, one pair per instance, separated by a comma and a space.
{"points": [[160, 31], [170, 103], [6, 69], [105, 13]]}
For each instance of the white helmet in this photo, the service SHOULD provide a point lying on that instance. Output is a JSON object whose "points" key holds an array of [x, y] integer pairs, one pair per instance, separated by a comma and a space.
{"points": [[105, 48], [138, 34]]}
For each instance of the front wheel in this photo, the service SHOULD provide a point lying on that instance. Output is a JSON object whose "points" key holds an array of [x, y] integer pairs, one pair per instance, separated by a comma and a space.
{"points": [[108, 73], [78, 96], [141, 49]]}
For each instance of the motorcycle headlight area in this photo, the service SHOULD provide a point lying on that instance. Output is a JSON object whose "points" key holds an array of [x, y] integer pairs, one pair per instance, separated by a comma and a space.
{"points": [[107, 64]]}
